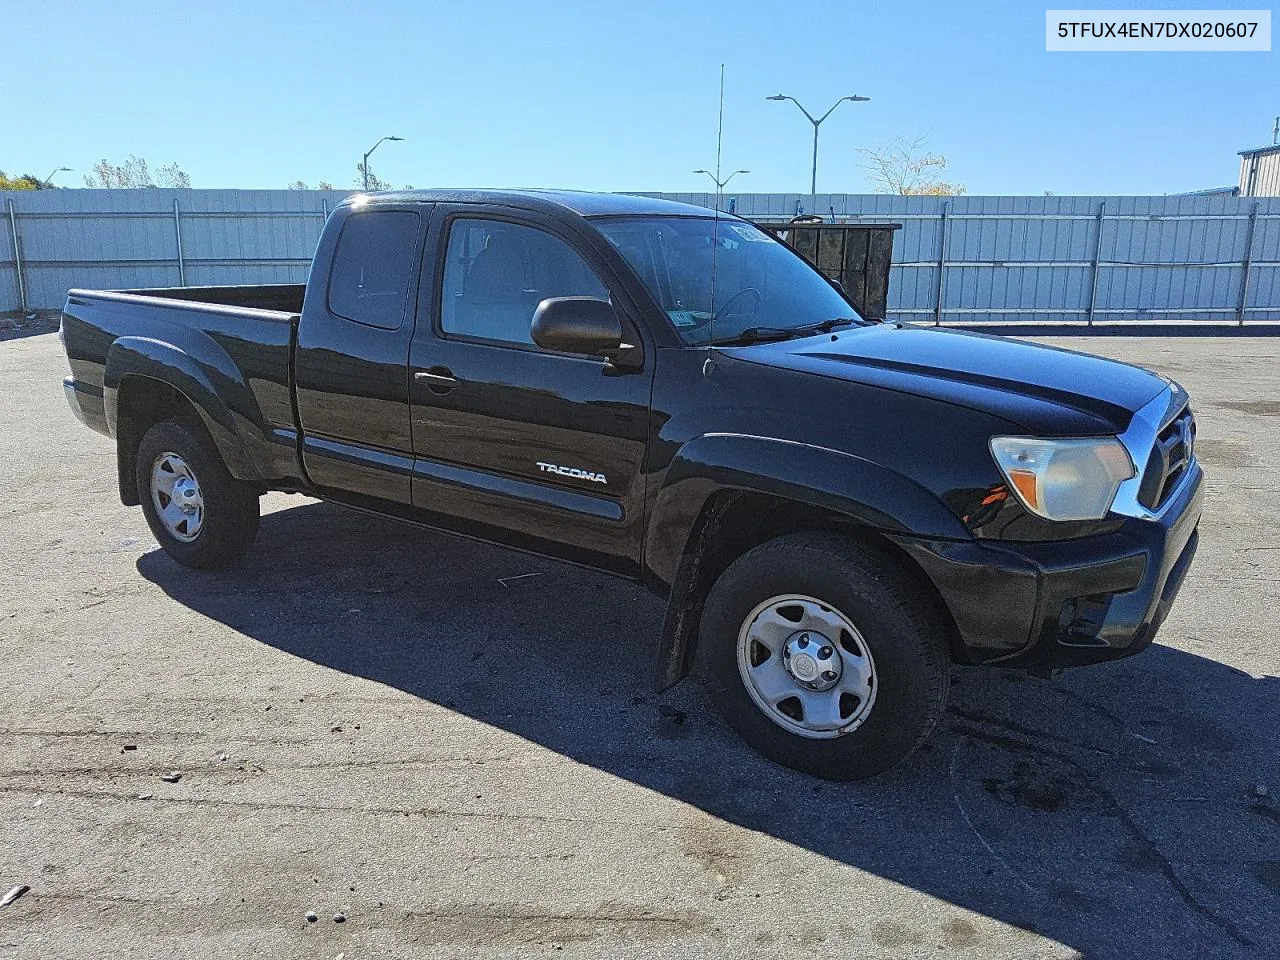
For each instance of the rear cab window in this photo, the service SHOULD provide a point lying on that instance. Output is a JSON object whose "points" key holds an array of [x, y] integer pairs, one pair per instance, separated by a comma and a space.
{"points": [[372, 266]]}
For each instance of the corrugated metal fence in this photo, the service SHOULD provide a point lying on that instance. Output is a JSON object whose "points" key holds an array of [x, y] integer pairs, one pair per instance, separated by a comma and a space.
{"points": [[113, 239], [1063, 259], [959, 259]]}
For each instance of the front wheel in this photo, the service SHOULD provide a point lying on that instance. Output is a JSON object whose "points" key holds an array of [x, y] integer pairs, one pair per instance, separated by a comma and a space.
{"points": [[201, 515], [824, 655]]}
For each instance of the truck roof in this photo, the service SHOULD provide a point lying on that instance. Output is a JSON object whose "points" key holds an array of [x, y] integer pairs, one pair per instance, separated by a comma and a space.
{"points": [[581, 202]]}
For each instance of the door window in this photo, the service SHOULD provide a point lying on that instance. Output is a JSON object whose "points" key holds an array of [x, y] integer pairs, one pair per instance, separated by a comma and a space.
{"points": [[372, 264], [497, 273]]}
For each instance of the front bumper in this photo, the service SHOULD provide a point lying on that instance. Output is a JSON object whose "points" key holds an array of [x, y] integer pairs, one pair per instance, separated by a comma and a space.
{"points": [[1070, 602]]}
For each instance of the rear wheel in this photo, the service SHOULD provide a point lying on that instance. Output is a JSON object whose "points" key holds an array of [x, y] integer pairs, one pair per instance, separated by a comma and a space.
{"points": [[201, 515], [824, 655]]}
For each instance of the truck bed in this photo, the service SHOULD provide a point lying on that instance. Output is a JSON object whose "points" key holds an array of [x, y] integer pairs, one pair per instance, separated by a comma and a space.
{"points": [[226, 349], [286, 297]]}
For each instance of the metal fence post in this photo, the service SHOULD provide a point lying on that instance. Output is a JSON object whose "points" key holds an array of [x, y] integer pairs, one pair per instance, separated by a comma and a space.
{"points": [[1248, 266], [177, 234], [942, 262], [324, 209], [1097, 256], [17, 256]]}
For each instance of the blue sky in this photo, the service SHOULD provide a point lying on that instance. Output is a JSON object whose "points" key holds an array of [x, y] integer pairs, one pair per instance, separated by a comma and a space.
{"points": [[614, 95]]}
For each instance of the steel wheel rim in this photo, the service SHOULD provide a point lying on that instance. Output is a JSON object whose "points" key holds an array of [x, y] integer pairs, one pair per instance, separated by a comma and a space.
{"points": [[175, 492], [787, 678]]}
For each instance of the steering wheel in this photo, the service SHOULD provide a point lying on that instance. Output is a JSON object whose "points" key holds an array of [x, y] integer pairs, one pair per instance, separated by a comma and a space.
{"points": [[724, 307]]}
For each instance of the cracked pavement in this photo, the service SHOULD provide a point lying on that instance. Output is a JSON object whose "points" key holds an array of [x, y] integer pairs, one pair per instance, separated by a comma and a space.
{"points": [[368, 722]]}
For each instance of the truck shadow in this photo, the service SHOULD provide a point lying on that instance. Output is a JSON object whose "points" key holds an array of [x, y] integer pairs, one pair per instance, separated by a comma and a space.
{"points": [[19, 327], [1113, 810]]}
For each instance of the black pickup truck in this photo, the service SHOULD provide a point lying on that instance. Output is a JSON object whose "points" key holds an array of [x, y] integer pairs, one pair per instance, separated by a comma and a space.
{"points": [[835, 508]]}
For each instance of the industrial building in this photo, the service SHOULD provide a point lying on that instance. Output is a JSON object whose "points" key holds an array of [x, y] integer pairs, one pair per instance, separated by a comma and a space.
{"points": [[1260, 171]]}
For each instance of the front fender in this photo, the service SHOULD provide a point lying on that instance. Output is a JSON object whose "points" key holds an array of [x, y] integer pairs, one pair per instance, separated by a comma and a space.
{"points": [[870, 495], [211, 383]]}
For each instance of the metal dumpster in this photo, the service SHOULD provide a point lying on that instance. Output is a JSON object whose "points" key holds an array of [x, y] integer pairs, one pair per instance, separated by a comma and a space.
{"points": [[855, 255]]}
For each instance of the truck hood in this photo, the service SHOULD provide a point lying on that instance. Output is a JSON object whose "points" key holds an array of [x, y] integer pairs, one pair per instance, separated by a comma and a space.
{"points": [[1045, 390]]}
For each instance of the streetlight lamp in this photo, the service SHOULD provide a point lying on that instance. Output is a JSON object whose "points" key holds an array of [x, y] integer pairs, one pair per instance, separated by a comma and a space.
{"points": [[813, 182], [720, 183], [364, 167], [48, 181]]}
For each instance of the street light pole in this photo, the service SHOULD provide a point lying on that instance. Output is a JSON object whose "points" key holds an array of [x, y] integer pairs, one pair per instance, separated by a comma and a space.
{"points": [[813, 179], [49, 179], [720, 184], [364, 167]]}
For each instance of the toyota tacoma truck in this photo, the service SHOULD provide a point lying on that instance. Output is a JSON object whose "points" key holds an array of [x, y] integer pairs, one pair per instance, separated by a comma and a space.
{"points": [[835, 508]]}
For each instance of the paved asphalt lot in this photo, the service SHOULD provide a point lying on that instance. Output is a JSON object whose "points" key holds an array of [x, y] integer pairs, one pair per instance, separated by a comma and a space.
{"points": [[369, 720]]}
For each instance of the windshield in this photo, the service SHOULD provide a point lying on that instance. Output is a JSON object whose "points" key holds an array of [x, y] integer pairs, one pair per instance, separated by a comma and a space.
{"points": [[759, 282]]}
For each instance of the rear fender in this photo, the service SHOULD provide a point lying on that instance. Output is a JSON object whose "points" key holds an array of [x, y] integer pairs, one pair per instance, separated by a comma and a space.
{"points": [[211, 384]]}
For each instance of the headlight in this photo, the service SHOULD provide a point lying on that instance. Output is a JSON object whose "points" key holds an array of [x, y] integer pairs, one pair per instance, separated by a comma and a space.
{"points": [[1063, 479]]}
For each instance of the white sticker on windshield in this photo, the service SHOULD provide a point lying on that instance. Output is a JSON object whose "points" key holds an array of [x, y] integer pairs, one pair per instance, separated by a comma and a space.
{"points": [[682, 318], [749, 233]]}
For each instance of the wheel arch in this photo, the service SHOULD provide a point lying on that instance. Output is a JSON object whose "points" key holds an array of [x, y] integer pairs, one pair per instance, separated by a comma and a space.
{"points": [[726, 504], [147, 381]]}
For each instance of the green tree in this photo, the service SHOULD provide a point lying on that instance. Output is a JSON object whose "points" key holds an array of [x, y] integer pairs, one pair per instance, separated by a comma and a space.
{"points": [[904, 167], [135, 173], [24, 182]]}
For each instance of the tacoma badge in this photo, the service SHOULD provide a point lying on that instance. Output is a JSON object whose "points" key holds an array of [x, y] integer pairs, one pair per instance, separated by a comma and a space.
{"points": [[572, 472]]}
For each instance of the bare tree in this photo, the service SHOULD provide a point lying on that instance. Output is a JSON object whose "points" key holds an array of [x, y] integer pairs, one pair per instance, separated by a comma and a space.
{"points": [[324, 185], [904, 167], [298, 185], [172, 175], [135, 173], [375, 183]]}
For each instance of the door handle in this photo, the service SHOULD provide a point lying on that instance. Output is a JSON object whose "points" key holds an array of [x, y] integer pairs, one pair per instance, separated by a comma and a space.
{"points": [[437, 378]]}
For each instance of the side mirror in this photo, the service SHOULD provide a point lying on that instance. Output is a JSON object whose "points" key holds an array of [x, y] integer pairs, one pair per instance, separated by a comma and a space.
{"points": [[586, 325]]}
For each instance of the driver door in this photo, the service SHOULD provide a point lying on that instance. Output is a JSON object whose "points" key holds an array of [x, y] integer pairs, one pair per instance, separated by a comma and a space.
{"points": [[511, 442]]}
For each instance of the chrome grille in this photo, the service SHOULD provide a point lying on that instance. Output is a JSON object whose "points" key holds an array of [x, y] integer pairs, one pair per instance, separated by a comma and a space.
{"points": [[1170, 457]]}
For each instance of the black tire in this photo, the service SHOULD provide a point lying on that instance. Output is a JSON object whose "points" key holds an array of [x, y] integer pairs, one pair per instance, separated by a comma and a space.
{"points": [[229, 519], [898, 622]]}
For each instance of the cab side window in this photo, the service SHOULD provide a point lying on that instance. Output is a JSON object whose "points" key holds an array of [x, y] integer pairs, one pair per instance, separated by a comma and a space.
{"points": [[497, 273], [372, 266]]}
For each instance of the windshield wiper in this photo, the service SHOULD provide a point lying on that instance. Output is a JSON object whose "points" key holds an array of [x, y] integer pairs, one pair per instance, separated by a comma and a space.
{"points": [[761, 334], [756, 335], [826, 326]]}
